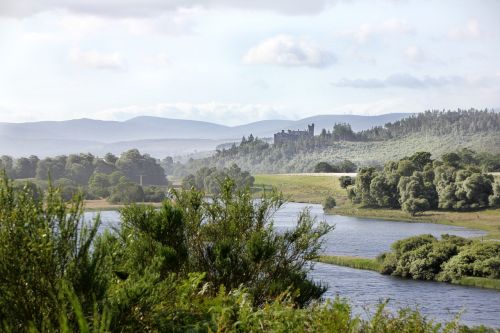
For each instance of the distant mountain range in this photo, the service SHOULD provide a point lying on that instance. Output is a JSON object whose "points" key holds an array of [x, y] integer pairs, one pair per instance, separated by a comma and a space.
{"points": [[157, 136]]}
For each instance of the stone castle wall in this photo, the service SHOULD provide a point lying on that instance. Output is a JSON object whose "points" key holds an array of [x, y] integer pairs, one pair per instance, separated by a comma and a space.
{"points": [[292, 136]]}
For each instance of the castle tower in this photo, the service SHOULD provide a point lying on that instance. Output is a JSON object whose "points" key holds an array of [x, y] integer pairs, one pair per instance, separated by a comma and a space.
{"points": [[310, 129]]}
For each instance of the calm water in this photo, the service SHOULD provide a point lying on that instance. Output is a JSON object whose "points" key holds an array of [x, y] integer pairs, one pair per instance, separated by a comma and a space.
{"points": [[365, 237], [365, 289]]}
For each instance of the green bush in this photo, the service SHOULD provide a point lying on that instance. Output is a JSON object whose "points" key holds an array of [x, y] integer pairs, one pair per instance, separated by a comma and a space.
{"points": [[449, 259], [329, 203], [45, 245]]}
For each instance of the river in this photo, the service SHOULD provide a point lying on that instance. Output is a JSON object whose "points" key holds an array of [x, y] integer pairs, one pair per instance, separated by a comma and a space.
{"points": [[365, 289]]}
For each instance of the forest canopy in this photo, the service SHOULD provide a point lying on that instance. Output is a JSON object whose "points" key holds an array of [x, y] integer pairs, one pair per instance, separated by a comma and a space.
{"points": [[435, 131]]}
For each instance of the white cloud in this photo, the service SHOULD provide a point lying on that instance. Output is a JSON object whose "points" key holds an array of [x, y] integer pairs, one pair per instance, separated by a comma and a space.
{"points": [[378, 107], [170, 23], [284, 50], [415, 54], [144, 8], [226, 113], [78, 26], [98, 60], [162, 59], [470, 30], [367, 30], [402, 81]]}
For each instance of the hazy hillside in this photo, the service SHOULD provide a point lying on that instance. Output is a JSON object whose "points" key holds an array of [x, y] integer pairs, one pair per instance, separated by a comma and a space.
{"points": [[159, 148], [157, 136], [435, 132]]}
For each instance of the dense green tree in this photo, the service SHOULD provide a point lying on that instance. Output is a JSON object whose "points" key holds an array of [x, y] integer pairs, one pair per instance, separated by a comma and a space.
{"points": [[7, 165], [451, 159], [210, 179], [26, 167], [154, 194], [346, 181], [53, 168], [110, 158], [102, 166], [99, 185], [363, 184], [126, 192], [168, 165], [494, 199], [323, 167], [133, 164], [421, 159]]}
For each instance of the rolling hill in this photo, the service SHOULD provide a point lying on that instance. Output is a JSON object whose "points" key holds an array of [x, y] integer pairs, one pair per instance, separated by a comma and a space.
{"points": [[157, 136]]}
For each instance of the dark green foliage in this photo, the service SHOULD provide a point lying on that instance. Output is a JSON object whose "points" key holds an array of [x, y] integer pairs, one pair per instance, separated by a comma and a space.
{"points": [[94, 176], [421, 159], [329, 203], [45, 245], [480, 259], [133, 165], [344, 166], [154, 194], [417, 184], [494, 199], [126, 192], [323, 167], [99, 185], [449, 259], [362, 187], [462, 189], [26, 167], [346, 181], [211, 179]]}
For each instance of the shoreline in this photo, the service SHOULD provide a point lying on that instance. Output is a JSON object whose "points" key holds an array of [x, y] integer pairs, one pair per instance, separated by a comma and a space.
{"points": [[371, 264], [486, 220]]}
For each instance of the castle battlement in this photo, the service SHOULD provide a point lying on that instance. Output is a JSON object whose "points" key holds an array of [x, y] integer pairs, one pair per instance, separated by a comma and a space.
{"points": [[291, 136]]}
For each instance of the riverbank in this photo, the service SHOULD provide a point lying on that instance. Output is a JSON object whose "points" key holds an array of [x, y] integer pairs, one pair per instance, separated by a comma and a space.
{"points": [[372, 264], [103, 204], [314, 189]]}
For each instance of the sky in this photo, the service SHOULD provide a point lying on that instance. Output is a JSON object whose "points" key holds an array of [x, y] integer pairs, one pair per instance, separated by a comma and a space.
{"points": [[237, 61]]}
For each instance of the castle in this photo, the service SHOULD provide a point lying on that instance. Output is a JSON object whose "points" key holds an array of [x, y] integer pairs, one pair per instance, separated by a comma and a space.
{"points": [[291, 136]]}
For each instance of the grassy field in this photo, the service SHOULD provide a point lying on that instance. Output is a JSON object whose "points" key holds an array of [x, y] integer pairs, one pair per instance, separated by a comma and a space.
{"points": [[353, 262], [304, 188], [314, 189], [103, 204]]}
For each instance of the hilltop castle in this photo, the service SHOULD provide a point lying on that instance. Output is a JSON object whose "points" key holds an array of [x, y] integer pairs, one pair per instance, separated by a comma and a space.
{"points": [[291, 136]]}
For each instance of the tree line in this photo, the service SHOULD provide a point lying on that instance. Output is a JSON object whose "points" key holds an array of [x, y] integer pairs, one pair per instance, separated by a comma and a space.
{"points": [[209, 180], [418, 183], [112, 177], [258, 155]]}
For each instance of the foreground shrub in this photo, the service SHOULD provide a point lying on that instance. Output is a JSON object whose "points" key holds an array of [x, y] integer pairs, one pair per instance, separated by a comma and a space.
{"points": [[191, 266], [45, 245]]}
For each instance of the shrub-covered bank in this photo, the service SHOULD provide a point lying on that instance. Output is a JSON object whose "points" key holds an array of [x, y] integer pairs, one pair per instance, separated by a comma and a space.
{"points": [[191, 266], [375, 264], [449, 259]]}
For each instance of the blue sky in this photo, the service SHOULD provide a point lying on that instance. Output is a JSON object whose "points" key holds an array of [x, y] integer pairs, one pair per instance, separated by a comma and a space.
{"points": [[237, 61]]}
